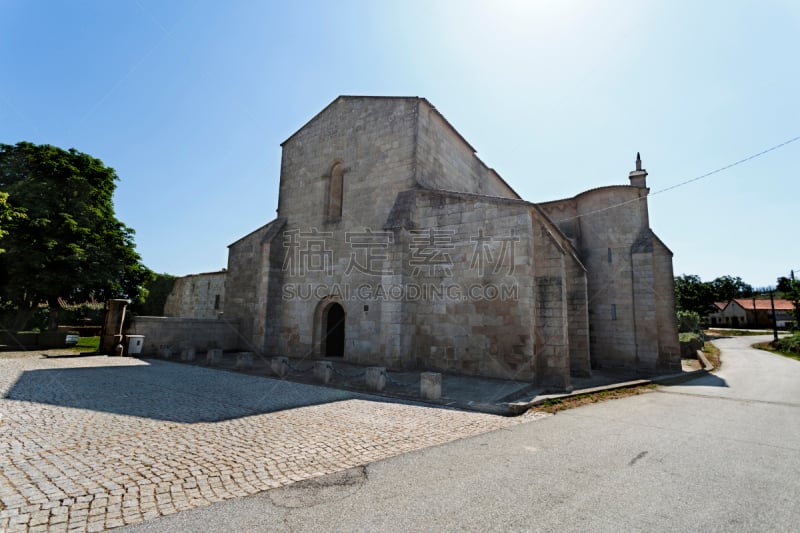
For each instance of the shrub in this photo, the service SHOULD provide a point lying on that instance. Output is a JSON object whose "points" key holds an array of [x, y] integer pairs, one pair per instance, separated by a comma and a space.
{"points": [[788, 344], [688, 321]]}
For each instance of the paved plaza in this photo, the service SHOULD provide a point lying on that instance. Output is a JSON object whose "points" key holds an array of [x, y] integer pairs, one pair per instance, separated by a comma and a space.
{"points": [[90, 443]]}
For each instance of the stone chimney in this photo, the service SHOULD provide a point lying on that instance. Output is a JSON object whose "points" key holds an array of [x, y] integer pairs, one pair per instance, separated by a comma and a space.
{"points": [[639, 176]]}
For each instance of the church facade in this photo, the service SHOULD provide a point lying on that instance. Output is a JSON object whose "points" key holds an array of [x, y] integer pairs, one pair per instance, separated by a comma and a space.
{"points": [[395, 245]]}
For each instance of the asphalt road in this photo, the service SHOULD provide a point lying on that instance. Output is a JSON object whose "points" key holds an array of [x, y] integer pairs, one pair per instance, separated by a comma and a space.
{"points": [[719, 453]]}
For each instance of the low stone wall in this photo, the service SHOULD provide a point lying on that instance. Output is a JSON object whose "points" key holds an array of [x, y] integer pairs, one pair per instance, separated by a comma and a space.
{"points": [[83, 331], [30, 339], [183, 333], [689, 348]]}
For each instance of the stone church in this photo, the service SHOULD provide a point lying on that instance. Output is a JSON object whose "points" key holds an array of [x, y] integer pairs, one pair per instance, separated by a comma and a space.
{"points": [[395, 245]]}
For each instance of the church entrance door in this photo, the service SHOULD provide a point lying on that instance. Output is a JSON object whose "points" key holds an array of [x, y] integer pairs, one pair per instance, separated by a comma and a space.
{"points": [[334, 331]]}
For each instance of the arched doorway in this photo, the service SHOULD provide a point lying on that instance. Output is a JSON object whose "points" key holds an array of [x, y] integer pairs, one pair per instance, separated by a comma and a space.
{"points": [[333, 340]]}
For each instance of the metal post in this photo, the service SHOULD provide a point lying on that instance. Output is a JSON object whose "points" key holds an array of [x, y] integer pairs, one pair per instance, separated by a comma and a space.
{"points": [[774, 321]]}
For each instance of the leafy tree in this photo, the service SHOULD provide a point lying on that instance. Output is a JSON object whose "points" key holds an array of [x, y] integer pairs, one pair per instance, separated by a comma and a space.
{"points": [[158, 288], [70, 244], [7, 214], [688, 321], [692, 294], [727, 288], [791, 291]]}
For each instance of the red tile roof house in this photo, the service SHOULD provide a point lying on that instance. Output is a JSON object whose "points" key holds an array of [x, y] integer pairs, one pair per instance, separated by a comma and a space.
{"points": [[750, 312]]}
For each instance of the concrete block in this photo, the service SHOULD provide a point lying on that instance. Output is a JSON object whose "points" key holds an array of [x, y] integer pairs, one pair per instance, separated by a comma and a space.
{"points": [[280, 366], [188, 354], [166, 352], [214, 357], [323, 371], [244, 360], [430, 385], [376, 378]]}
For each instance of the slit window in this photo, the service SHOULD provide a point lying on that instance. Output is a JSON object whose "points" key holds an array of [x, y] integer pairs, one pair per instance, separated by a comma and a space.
{"points": [[335, 189]]}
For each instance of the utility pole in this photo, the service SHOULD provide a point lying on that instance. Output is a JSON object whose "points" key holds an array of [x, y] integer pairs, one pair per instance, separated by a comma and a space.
{"points": [[774, 321]]}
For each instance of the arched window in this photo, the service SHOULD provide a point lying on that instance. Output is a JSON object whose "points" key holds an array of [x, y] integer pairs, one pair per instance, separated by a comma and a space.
{"points": [[335, 188]]}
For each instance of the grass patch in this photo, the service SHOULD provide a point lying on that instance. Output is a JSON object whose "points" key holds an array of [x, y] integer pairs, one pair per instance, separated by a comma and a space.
{"points": [[569, 402], [734, 333], [787, 346], [87, 344], [712, 354]]}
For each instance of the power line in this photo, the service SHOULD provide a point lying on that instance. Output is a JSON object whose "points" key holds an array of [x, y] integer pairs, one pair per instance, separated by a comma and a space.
{"points": [[692, 180], [726, 167]]}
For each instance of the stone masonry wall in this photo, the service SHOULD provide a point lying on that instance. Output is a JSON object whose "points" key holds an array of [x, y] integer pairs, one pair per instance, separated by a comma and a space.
{"points": [[645, 319], [550, 309], [604, 223], [181, 333], [481, 319], [668, 344], [373, 138], [445, 160], [245, 264], [197, 296]]}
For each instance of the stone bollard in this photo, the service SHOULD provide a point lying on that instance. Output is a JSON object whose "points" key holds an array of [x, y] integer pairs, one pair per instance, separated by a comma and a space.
{"points": [[244, 360], [430, 386], [323, 371], [376, 378], [166, 352], [280, 366], [188, 354], [214, 357]]}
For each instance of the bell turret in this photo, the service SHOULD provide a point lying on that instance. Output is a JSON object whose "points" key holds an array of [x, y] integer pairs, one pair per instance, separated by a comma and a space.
{"points": [[639, 176]]}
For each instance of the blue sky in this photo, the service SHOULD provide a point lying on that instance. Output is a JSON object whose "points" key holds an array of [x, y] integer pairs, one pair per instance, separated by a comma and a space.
{"points": [[189, 101]]}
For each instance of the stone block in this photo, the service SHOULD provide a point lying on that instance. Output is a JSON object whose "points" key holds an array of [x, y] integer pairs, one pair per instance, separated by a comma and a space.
{"points": [[280, 366], [188, 355], [214, 357], [430, 385], [323, 371], [376, 378], [244, 360]]}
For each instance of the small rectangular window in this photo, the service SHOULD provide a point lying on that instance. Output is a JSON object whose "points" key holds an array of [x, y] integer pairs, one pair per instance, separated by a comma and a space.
{"points": [[609, 255], [613, 311], [216, 301]]}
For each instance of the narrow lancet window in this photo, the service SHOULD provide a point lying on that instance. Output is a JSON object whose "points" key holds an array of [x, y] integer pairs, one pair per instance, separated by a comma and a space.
{"points": [[335, 188]]}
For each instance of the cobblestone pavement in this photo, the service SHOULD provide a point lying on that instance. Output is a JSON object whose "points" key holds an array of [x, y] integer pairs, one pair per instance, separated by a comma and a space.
{"points": [[92, 442]]}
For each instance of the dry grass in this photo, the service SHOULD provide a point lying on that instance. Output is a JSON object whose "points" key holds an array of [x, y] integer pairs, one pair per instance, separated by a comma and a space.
{"points": [[733, 333], [712, 354], [767, 346], [561, 404]]}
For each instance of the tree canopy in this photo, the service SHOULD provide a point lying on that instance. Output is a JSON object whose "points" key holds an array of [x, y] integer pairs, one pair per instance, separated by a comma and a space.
{"points": [[696, 295], [69, 243], [790, 289], [7, 215]]}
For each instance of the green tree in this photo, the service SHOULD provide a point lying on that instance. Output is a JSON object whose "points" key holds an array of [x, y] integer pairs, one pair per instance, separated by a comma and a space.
{"points": [[727, 288], [8, 214], [688, 321], [158, 289], [693, 294], [790, 289], [70, 244]]}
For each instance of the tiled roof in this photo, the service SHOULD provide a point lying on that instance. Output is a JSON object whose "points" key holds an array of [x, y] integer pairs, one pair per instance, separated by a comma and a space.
{"points": [[764, 305]]}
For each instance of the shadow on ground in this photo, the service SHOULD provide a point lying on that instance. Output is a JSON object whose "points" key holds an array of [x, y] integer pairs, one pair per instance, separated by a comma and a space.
{"points": [[706, 380], [163, 391]]}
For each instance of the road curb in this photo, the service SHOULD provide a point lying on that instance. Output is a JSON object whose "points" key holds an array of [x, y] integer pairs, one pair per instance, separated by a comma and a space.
{"points": [[518, 408]]}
